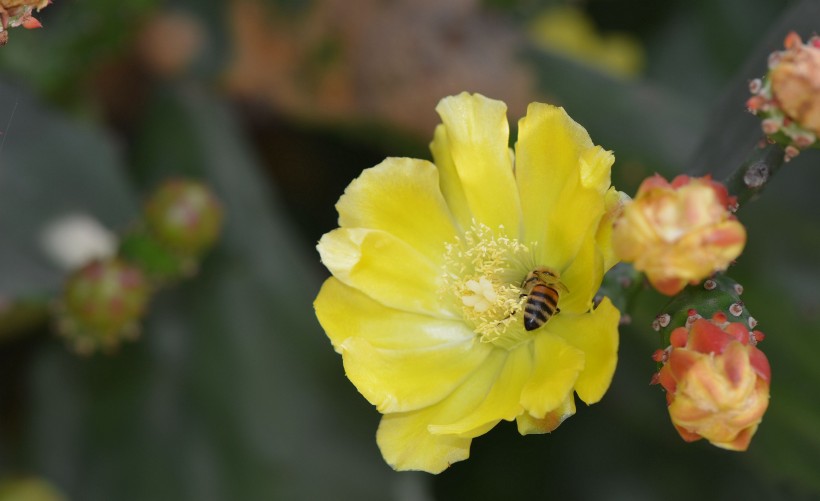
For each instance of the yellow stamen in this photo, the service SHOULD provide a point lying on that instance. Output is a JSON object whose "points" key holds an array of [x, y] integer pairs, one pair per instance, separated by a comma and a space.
{"points": [[482, 275]]}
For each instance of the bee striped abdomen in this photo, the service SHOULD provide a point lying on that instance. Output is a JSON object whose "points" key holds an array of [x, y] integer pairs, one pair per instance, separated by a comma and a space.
{"points": [[541, 305], [542, 286]]}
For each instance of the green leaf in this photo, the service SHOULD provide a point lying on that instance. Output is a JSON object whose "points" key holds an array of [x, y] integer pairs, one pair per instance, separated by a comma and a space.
{"points": [[51, 166]]}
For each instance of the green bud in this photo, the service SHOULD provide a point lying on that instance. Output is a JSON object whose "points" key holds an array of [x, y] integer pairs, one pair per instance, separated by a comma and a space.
{"points": [[185, 216], [102, 304]]}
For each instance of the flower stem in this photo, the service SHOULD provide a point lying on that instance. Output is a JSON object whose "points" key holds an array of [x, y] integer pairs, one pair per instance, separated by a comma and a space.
{"points": [[748, 180]]}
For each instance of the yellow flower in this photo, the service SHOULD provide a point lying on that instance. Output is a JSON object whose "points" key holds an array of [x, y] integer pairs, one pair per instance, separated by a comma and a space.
{"points": [[569, 31], [425, 304], [678, 232], [717, 383]]}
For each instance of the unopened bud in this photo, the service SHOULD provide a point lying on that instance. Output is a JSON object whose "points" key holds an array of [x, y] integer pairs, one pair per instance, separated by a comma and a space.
{"points": [[788, 97], [717, 383], [101, 304], [185, 216], [14, 13], [679, 232]]}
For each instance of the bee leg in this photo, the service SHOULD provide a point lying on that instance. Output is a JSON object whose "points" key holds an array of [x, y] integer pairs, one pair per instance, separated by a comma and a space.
{"points": [[4, 17]]}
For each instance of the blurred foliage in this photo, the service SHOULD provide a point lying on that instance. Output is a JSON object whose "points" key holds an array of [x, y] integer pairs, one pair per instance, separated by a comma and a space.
{"points": [[233, 392]]}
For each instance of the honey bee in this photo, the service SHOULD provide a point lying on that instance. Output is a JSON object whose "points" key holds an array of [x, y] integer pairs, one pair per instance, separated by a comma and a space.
{"points": [[542, 287]]}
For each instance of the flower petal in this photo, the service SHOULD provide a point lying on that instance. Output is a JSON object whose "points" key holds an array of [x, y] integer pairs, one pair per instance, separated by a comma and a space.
{"points": [[406, 444], [582, 278], [345, 312], [561, 178], [528, 425], [448, 175], [613, 205], [596, 335], [402, 197], [579, 209], [385, 268], [547, 151], [503, 399], [556, 368], [478, 137], [405, 439], [404, 379]]}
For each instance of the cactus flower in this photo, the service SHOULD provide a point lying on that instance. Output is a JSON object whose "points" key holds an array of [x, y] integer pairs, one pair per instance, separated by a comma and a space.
{"points": [[426, 304], [679, 232], [717, 382], [788, 97], [15, 13]]}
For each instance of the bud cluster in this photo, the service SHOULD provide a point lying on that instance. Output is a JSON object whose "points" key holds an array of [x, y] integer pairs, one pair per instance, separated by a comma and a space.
{"points": [[788, 97], [183, 219], [103, 301]]}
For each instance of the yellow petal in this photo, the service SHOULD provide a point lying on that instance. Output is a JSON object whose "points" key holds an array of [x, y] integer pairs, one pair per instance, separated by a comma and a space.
{"points": [[549, 145], [406, 444], [345, 312], [408, 379], [478, 137], [562, 179], [503, 399], [596, 166], [579, 209], [405, 439], [385, 268], [556, 368], [528, 425], [402, 197], [448, 175], [613, 203], [596, 335], [583, 278]]}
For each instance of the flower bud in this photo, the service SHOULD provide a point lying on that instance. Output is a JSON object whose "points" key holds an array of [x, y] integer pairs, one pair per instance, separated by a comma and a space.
{"points": [[678, 233], [101, 304], [717, 382], [15, 13], [788, 98], [185, 216]]}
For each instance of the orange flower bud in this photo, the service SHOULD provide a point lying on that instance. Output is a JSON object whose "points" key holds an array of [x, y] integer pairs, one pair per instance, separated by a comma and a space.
{"points": [[679, 232], [717, 384], [788, 97], [796, 84]]}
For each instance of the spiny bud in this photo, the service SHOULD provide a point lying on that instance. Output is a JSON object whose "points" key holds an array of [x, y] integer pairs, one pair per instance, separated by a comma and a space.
{"points": [[679, 232], [788, 97], [718, 297], [717, 382], [185, 216], [101, 305]]}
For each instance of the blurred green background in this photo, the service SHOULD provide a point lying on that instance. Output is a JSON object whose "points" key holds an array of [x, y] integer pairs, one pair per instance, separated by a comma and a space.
{"points": [[233, 392]]}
